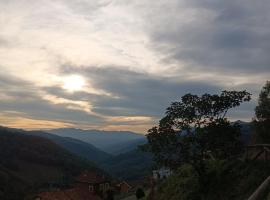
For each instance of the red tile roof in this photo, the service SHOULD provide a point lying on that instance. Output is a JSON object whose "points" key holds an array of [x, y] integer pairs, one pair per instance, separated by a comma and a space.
{"points": [[69, 194], [80, 194], [55, 195], [90, 177]]}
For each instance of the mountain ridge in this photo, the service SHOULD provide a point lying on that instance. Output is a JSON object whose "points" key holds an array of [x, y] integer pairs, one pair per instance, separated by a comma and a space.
{"points": [[100, 139]]}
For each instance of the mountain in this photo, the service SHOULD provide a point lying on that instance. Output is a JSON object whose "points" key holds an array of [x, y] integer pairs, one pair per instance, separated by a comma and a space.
{"points": [[246, 131], [77, 147], [100, 139], [126, 147], [132, 165], [29, 163], [127, 161]]}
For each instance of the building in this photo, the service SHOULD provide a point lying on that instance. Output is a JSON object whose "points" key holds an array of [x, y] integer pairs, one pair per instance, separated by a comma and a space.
{"points": [[124, 187], [88, 186], [68, 194], [161, 173], [94, 183]]}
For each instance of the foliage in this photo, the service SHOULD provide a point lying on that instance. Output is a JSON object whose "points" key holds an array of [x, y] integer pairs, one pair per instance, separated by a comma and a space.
{"points": [[140, 193], [226, 180], [183, 185], [195, 111], [263, 109], [195, 126], [194, 130], [262, 123], [221, 138]]}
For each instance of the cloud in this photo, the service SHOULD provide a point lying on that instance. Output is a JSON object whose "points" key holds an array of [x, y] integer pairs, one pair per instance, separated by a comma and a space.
{"points": [[224, 36], [137, 93], [135, 56], [17, 120]]}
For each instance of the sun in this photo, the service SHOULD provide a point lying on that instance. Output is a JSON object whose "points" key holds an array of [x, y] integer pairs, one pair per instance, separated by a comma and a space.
{"points": [[73, 83]]}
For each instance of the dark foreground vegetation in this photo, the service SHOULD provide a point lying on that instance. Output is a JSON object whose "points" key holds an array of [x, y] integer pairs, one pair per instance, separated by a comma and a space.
{"points": [[226, 180], [196, 140]]}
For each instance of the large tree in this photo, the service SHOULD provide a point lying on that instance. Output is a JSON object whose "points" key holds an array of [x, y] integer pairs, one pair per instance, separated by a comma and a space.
{"points": [[263, 108], [262, 111], [196, 127]]}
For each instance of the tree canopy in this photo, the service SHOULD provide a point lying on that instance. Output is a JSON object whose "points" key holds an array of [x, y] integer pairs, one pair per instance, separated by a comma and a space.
{"points": [[262, 111], [195, 126], [194, 130]]}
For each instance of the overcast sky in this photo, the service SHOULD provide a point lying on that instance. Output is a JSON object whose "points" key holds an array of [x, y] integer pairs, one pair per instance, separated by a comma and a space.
{"points": [[117, 64]]}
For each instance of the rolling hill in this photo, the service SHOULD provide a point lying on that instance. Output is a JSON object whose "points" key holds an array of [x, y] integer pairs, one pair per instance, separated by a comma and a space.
{"points": [[131, 165], [77, 147], [29, 163], [125, 147]]}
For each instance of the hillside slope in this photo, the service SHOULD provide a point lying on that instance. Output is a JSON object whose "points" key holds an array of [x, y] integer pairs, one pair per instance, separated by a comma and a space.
{"points": [[77, 147], [29, 163], [126, 147], [130, 166]]}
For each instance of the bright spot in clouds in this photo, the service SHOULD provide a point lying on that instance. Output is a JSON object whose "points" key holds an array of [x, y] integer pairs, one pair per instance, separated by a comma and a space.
{"points": [[73, 83], [117, 65]]}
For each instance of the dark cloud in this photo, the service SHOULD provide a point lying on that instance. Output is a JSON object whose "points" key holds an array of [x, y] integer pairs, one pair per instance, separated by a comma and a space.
{"points": [[229, 38], [24, 97], [223, 36], [138, 93]]}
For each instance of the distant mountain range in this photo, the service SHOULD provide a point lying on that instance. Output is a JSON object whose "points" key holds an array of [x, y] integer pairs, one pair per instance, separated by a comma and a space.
{"points": [[125, 160], [77, 147], [116, 152], [109, 141], [126, 147]]}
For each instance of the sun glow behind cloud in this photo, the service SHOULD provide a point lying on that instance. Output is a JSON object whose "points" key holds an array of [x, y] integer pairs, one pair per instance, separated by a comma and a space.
{"points": [[118, 64], [73, 83]]}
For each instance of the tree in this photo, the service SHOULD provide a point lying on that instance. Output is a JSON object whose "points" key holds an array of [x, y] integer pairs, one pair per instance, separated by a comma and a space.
{"points": [[195, 126], [262, 111], [140, 193]]}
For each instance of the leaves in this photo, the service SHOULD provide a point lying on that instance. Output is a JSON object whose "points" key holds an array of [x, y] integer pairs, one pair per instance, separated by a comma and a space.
{"points": [[263, 109], [196, 125]]}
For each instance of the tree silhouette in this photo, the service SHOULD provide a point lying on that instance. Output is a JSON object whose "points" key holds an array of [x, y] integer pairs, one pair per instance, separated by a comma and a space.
{"points": [[262, 111], [195, 126], [140, 193]]}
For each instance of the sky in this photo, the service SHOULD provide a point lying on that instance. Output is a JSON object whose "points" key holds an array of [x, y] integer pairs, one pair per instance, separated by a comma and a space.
{"points": [[117, 64]]}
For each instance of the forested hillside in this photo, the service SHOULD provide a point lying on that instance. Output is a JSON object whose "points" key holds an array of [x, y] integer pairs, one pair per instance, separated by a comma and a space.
{"points": [[30, 163], [77, 147], [131, 165]]}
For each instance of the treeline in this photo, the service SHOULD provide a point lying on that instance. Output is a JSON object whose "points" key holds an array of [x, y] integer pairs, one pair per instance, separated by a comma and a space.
{"points": [[204, 149]]}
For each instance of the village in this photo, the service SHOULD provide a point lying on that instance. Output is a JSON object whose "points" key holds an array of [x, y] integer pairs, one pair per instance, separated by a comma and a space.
{"points": [[93, 186]]}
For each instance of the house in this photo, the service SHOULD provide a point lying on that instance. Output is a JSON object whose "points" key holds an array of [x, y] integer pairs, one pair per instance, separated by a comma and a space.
{"points": [[161, 173], [94, 183], [68, 194], [124, 187], [89, 186]]}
